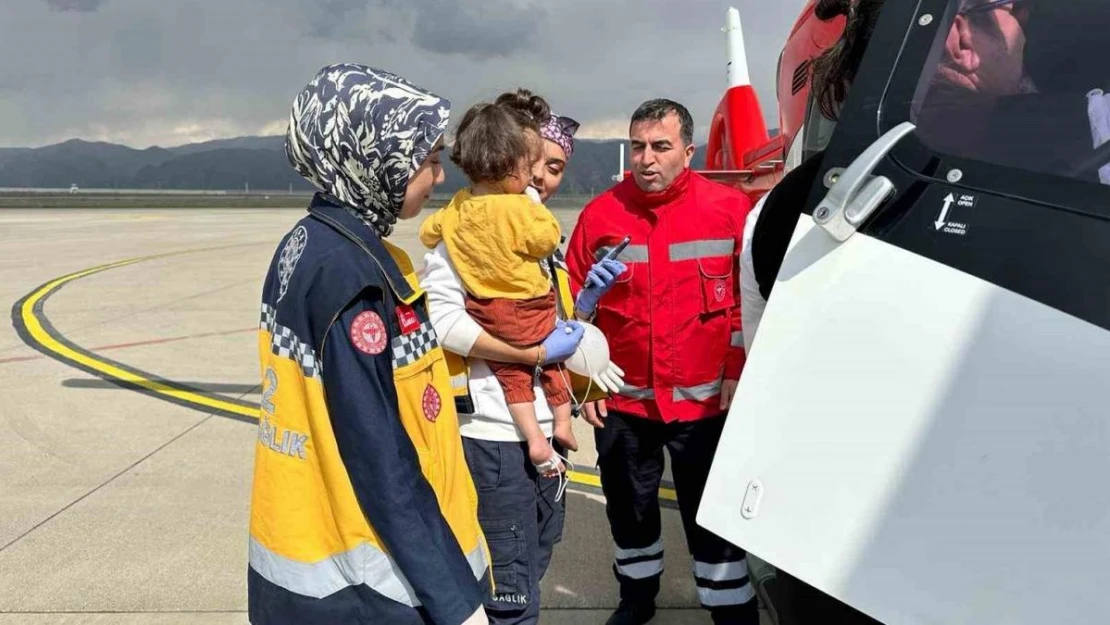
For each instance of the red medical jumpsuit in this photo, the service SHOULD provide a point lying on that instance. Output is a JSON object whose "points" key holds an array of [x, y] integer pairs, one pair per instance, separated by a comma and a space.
{"points": [[673, 325]]}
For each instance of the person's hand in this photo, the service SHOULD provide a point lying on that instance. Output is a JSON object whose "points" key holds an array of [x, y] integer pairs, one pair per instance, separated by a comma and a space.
{"points": [[728, 391], [599, 280], [563, 341], [594, 413], [611, 379]]}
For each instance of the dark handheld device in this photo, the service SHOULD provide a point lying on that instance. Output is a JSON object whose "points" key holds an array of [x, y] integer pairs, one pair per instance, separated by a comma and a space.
{"points": [[616, 251]]}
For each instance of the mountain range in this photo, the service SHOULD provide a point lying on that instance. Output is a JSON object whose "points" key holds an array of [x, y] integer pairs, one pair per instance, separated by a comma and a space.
{"points": [[255, 163]]}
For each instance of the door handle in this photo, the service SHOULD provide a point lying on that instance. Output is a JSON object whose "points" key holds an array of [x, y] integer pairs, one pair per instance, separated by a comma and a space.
{"points": [[857, 193]]}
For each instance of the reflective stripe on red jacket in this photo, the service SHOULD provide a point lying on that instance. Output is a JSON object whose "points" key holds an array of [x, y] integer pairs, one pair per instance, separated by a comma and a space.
{"points": [[673, 318]]}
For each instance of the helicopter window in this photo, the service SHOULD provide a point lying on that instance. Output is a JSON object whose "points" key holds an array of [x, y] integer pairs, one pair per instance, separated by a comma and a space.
{"points": [[818, 129], [1019, 83]]}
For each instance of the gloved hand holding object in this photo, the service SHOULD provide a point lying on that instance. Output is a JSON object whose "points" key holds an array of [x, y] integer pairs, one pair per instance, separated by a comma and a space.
{"points": [[601, 277], [563, 341]]}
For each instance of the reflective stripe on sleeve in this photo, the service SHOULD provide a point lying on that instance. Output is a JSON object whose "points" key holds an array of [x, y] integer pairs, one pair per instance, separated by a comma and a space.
{"points": [[365, 565], [737, 339]]}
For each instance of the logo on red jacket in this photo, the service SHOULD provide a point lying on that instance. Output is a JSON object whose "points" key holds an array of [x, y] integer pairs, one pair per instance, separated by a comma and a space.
{"points": [[368, 333], [432, 403], [719, 290], [406, 316]]}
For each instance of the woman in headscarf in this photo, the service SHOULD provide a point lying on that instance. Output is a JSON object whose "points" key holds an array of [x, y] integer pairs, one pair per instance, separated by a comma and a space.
{"points": [[514, 501], [363, 510]]}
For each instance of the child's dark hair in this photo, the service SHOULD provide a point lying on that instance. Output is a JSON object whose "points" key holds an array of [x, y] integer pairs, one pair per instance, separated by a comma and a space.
{"points": [[530, 110], [835, 70], [490, 142]]}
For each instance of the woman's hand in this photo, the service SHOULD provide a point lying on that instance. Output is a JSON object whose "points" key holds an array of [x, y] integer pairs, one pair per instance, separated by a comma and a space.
{"points": [[562, 342], [599, 280]]}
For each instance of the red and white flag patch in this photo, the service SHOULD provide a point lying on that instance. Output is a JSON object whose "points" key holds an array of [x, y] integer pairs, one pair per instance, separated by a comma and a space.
{"points": [[407, 318], [432, 403], [368, 333]]}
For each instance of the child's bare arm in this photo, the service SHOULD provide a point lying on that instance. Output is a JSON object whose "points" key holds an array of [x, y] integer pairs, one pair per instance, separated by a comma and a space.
{"points": [[524, 416]]}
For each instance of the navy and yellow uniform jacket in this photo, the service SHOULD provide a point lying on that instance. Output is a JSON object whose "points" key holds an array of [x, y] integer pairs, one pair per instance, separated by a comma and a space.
{"points": [[362, 510]]}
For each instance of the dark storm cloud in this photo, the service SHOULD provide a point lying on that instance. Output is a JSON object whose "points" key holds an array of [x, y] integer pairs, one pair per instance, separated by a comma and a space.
{"points": [[140, 72], [479, 29], [84, 6]]}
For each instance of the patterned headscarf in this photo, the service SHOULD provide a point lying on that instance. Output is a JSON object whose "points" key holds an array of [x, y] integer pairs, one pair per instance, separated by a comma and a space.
{"points": [[560, 130], [358, 133]]}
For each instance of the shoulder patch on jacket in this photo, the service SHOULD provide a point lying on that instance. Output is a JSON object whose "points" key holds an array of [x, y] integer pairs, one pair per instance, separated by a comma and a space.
{"points": [[368, 333]]}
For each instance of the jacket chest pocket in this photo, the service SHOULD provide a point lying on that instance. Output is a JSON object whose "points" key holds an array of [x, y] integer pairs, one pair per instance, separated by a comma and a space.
{"points": [[716, 277], [423, 392]]}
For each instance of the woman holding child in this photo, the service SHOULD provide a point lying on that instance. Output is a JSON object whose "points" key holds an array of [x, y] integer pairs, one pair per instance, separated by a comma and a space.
{"points": [[493, 235]]}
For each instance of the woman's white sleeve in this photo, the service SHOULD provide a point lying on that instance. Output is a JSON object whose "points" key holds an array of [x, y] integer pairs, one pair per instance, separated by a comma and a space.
{"points": [[752, 303], [456, 330]]}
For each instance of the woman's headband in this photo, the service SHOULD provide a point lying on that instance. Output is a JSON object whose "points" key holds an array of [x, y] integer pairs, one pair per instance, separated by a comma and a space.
{"points": [[560, 130]]}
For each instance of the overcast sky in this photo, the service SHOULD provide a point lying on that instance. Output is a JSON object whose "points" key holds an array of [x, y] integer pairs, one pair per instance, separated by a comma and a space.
{"points": [[167, 72]]}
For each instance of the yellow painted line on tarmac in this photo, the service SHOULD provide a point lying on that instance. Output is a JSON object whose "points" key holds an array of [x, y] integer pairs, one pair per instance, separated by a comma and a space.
{"points": [[31, 315], [590, 479]]}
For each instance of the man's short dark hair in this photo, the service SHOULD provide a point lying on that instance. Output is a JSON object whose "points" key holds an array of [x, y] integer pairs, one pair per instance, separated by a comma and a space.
{"points": [[489, 143], [659, 108]]}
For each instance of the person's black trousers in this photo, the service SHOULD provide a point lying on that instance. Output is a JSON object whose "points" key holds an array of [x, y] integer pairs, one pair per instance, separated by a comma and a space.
{"points": [[631, 461]]}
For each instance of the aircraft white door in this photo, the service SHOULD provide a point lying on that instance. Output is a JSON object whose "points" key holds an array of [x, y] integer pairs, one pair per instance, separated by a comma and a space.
{"points": [[922, 429]]}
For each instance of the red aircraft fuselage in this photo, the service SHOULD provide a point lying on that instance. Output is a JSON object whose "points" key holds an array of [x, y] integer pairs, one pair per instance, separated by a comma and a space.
{"points": [[740, 151]]}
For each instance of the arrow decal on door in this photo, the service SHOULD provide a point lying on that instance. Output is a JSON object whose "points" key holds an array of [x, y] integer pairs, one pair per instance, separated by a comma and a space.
{"points": [[944, 211], [944, 223]]}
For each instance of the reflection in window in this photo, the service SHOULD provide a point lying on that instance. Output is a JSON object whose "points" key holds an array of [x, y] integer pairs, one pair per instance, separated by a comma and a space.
{"points": [[1018, 83]]}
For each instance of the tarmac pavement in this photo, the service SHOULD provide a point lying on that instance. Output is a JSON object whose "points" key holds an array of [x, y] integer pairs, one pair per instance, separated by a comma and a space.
{"points": [[121, 507]]}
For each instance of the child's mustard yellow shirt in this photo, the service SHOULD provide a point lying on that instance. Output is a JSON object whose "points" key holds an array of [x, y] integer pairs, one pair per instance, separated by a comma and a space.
{"points": [[496, 243]]}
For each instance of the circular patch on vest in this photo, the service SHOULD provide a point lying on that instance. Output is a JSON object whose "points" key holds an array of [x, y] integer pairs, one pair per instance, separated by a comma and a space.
{"points": [[368, 333], [432, 403], [719, 290]]}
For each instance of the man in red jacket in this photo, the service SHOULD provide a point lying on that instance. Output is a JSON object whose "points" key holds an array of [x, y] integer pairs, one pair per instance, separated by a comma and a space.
{"points": [[672, 318]]}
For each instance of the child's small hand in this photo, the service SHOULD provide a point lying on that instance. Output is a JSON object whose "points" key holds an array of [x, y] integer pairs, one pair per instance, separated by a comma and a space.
{"points": [[543, 457]]}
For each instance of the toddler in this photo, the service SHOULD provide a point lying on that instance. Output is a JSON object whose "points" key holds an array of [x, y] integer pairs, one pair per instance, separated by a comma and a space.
{"points": [[497, 237]]}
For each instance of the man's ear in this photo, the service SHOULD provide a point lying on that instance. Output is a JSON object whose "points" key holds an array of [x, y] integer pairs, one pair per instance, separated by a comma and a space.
{"points": [[690, 149], [960, 47]]}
